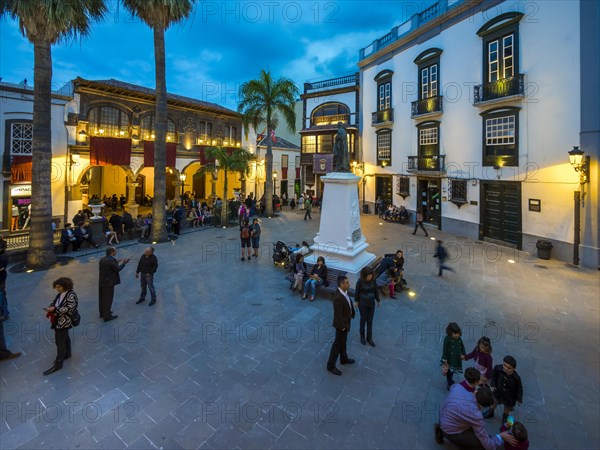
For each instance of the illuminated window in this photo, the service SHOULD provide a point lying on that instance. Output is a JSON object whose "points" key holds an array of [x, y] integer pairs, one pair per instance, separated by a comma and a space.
{"points": [[108, 121], [149, 130], [384, 146], [309, 144]]}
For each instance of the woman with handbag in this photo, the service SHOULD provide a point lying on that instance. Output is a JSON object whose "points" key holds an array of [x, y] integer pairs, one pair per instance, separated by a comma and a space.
{"points": [[62, 312]]}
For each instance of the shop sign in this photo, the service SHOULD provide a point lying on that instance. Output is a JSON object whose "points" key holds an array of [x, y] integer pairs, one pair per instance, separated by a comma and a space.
{"points": [[21, 191]]}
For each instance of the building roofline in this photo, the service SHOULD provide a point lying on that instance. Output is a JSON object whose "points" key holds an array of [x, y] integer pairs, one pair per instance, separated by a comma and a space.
{"points": [[142, 92]]}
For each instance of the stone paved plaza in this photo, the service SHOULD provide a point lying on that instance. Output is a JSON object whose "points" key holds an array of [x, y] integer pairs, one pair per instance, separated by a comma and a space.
{"points": [[230, 358]]}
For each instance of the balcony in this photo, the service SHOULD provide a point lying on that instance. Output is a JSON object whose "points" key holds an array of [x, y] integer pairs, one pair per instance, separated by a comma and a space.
{"points": [[330, 120], [385, 116], [496, 91], [431, 106], [435, 163]]}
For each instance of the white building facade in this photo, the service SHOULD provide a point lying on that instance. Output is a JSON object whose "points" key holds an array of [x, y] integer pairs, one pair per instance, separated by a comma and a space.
{"points": [[468, 111]]}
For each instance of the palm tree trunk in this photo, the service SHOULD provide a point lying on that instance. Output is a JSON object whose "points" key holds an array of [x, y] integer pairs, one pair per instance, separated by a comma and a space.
{"points": [[269, 175], [159, 231], [41, 242]]}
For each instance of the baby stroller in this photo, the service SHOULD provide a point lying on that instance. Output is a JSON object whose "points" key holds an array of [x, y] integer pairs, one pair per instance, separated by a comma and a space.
{"points": [[281, 254]]}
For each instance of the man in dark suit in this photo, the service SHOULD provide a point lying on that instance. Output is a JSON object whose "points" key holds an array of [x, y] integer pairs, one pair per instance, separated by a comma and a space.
{"points": [[108, 279], [343, 313], [67, 236]]}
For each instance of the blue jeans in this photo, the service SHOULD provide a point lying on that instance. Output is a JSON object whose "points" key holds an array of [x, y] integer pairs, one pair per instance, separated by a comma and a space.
{"points": [[147, 281], [3, 303], [312, 285]]}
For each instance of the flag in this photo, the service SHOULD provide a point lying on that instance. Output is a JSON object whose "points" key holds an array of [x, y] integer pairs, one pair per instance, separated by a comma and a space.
{"points": [[273, 137]]}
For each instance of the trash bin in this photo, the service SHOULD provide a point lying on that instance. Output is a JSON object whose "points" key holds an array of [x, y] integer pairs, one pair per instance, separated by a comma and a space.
{"points": [[544, 249], [365, 209]]}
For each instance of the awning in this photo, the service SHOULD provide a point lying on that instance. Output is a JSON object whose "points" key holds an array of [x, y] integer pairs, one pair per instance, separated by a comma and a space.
{"points": [[20, 169]]}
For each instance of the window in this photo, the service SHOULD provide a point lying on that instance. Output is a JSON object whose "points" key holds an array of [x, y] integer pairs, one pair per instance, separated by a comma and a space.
{"points": [[330, 114], [457, 191], [501, 58], [429, 145], [325, 143], [21, 138], [500, 137], [429, 81], [428, 136], [500, 130], [384, 90], [284, 161], [384, 147], [149, 130], [385, 96], [403, 187], [230, 137], [428, 63], [500, 46], [204, 132], [108, 121], [309, 144]]}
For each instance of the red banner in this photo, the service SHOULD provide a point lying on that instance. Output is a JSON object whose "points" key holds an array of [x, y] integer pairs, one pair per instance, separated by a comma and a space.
{"points": [[284, 173], [298, 173], [20, 169], [105, 151], [149, 154]]}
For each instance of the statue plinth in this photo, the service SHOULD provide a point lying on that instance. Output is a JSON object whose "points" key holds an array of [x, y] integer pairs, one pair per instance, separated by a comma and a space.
{"points": [[340, 239]]}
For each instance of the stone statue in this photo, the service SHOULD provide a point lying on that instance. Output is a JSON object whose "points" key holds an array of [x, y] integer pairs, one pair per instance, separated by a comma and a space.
{"points": [[341, 162]]}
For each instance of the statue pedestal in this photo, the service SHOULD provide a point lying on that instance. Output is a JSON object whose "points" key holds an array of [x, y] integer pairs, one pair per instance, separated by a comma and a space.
{"points": [[340, 240]]}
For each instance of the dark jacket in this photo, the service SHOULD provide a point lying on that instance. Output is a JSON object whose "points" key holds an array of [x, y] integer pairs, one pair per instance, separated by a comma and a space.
{"points": [[64, 313], [127, 220], [64, 236], [79, 233], [116, 221], [509, 389], [440, 252], [343, 313], [451, 351], [109, 271], [366, 293], [321, 272], [147, 264]]}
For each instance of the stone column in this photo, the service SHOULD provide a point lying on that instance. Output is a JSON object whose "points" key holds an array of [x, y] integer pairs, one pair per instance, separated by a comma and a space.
{"points": [[131, 206]]}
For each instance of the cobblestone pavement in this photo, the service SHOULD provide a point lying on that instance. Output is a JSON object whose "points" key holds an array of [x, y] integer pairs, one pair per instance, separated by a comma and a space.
{"points": [[230, 358]]}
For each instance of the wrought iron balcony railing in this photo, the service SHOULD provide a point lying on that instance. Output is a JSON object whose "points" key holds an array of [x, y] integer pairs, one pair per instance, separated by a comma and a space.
{"points": [[426, 106], [383, 116], [505, 87], [435, 163]]}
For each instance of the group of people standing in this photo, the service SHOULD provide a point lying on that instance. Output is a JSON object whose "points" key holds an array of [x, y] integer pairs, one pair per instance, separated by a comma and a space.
{"points": [[63, 310]]}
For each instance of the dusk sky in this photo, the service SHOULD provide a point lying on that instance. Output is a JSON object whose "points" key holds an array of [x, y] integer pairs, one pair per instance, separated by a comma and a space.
{"points": [[222, 44]]}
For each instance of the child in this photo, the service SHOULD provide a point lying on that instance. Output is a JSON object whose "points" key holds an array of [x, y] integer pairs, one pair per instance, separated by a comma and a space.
{"points": [[482, 354], [507, 387], [519, 432], [453, 351], [388, 278]]}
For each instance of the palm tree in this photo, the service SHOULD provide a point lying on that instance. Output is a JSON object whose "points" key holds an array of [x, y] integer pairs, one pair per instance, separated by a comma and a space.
{"points": [[159, 15], [260, 102], [44, 23], [237, 161]]}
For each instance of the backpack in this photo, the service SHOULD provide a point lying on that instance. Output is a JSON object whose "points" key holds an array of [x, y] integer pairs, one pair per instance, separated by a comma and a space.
{"points": [[245, 233]]}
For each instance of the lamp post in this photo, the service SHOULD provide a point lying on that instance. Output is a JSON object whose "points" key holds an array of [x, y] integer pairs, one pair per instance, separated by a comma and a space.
{"points": [[581, 164], [182, 177]]}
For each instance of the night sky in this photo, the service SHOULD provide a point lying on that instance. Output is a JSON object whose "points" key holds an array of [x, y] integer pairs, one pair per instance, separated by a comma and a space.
{"points": [[221, 45]]}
